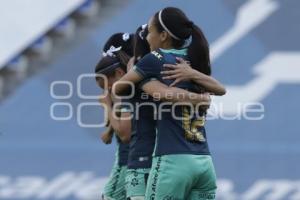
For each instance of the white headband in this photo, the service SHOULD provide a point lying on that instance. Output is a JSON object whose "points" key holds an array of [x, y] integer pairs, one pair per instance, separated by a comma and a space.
{"points": [[166, 29]]}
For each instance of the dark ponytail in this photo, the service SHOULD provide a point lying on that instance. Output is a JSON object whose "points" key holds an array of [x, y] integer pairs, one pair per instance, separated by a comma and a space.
{"points": [[198, 52], [185, 34]]}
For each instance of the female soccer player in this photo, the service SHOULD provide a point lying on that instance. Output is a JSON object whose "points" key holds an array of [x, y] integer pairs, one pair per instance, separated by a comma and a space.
{"points": [[142, 139], [182, 167], [116, 52], [143, 129]]}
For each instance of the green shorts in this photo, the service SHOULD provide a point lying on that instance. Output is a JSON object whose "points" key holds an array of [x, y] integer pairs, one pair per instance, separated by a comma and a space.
{"points": [[136, 180], [115, 187], [181, 177]]}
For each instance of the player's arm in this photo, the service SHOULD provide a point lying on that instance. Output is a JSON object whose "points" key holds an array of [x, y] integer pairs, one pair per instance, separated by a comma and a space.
{"points": [[144, 71], [182, 71], [163, 92], [160, 91], [121, 123], [126, 82]]}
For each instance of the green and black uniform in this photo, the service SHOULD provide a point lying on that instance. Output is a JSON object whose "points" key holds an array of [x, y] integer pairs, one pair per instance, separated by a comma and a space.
{"points": [[142, 143], [182, 167], [115, 187]]}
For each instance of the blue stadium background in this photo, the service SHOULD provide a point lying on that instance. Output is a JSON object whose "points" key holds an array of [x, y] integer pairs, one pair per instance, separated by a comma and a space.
{"points": [[258, 158]]}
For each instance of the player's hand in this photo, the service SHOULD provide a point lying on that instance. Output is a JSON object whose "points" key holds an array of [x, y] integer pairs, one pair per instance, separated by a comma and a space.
{"points": [[106, 100], [205, 105], [130, 64], [182, 71], [107, 136], [115, 99]]}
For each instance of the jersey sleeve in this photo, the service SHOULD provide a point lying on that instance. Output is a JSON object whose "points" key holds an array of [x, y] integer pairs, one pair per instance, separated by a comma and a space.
{"points": [[149, 66]]}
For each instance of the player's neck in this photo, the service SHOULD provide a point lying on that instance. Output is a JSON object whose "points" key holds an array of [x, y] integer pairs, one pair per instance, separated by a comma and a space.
{"points": [[167, 45]]}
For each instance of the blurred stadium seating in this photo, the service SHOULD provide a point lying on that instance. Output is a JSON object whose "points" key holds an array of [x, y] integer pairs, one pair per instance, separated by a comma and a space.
{"points": [[255, 51]]}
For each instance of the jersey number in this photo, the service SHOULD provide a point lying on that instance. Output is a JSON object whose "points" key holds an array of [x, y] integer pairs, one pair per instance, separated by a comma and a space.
{"points": [[191, 127]]}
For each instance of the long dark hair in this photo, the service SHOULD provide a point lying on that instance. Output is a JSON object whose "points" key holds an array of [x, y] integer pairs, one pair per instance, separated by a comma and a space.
{"points": [[141, 46], [185, 32]]}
